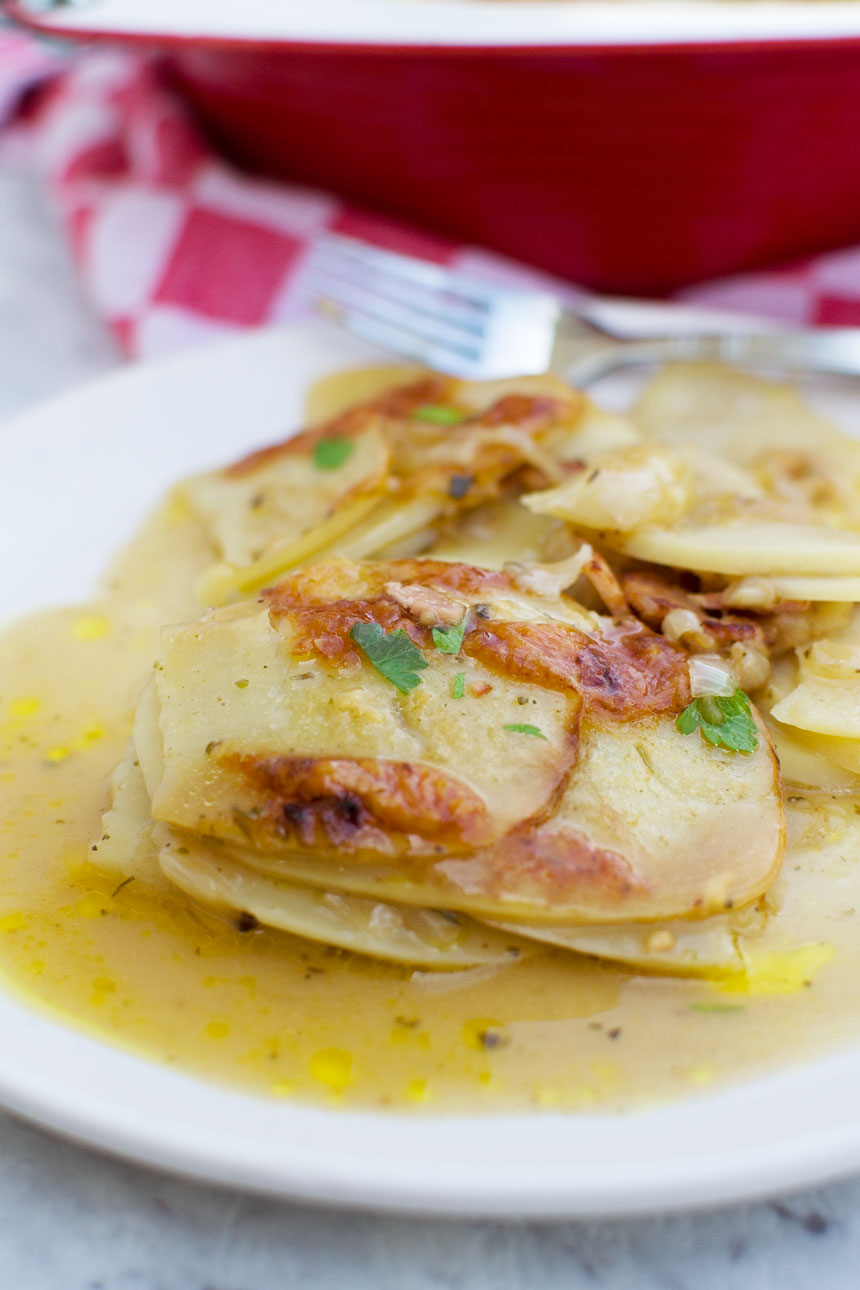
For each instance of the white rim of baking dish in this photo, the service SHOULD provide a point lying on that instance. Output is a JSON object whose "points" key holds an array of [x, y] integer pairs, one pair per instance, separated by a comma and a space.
{"points": [[455, 24]]}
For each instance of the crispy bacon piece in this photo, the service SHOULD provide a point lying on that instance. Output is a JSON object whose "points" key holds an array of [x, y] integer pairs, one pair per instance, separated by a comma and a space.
{"points": [[653, 596], [429, 607], [605, 583]]}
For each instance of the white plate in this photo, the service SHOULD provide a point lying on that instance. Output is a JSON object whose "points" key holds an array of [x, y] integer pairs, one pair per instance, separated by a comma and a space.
{"points": [[77, 474], [471, 23]]}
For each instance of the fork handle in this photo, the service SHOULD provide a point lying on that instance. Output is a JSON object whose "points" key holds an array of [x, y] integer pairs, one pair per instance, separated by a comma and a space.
{"points": [[834, 349]]}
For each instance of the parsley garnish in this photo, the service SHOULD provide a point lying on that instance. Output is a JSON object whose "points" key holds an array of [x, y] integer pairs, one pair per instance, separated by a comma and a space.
{"points": [[330, 454], [438, 414], [458, 686], [523, 728], [726, 722], [393, 654], [449, 639]]}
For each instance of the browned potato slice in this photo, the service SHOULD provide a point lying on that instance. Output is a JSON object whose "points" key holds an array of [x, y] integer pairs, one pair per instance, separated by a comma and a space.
{"points": [[652, 825], [240, 714], [536, 775]]}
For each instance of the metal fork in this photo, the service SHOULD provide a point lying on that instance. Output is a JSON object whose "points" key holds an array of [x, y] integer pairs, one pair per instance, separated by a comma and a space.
{"points": [[458, 324]]}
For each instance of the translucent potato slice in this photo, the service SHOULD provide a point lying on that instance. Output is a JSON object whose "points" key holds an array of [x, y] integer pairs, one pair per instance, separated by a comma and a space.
{"points": [[736, 547], [222, 580], [493, 535], [766, 427], [422, 938], [826, 699], [738, 416], [820, 589], [679, 948], [816, 761], [594, 432], [774, 946], [624, 489], [276, 498], [391, 523], [125, 843], [841, 754], [146, 738]]}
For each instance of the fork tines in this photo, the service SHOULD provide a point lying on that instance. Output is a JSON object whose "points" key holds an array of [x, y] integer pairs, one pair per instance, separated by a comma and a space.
{"points": [[439, 317]]}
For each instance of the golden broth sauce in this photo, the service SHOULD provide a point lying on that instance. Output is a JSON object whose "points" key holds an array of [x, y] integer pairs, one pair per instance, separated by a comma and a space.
{"points": [[141, 967]]}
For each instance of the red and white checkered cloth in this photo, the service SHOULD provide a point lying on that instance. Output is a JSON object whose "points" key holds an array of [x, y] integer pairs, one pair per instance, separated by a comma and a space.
{"points": [[174, 245]]}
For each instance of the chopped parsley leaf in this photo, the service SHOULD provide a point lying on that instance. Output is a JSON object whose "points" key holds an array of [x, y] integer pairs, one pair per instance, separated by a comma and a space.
{"points": [[523, 728], [438, 414], [331, 454], [458, 686], [448, 640], [391, 653], [724, 721]]}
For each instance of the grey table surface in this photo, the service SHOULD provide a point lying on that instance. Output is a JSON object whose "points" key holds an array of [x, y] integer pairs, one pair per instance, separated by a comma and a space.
{"points": [[73, 1220]]}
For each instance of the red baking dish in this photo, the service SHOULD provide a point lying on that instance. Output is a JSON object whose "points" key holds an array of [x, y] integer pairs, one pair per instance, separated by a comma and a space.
{"points": [[633, 147]]}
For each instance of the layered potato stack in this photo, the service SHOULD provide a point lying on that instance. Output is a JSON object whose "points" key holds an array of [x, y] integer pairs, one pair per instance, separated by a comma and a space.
{"points": [[485, 666]]}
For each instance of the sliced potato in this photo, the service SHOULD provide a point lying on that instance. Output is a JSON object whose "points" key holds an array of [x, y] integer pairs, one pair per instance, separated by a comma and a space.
{"points": [[223, 581], [653, 825], [736, 547], [422, 937], [738, 416], [772, 947], [466, 792], [679, 948], [622, 490], [816, 761], [125, 843], [278, 497], [595, 431], [826, 699], [795, 453], [230, 687], [493, 535], [763, 592]]}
